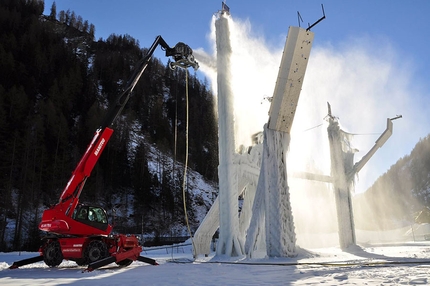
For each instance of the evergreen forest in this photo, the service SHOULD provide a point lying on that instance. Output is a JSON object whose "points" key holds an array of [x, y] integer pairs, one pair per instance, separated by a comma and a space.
{"points": [[56, 83]]}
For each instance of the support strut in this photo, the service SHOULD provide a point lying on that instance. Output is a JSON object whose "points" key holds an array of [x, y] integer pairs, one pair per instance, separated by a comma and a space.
{"points": [[23, 262], [111, 259]]}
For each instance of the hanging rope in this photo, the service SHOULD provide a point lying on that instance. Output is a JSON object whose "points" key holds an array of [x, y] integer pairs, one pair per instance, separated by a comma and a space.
{"points": [[176, 141], [355, 134], [184, 181], [362, 134], [313, 127]]}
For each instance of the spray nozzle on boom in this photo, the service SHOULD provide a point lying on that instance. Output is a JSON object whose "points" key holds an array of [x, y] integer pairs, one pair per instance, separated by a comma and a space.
{"points": [[183, 56]]}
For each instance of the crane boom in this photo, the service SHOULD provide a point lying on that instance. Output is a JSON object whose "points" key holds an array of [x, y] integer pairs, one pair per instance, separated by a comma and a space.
{"points": [[180, 53]]}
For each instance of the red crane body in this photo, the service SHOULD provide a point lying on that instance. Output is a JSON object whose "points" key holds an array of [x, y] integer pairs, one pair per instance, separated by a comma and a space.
{"points": [[57, 219]]}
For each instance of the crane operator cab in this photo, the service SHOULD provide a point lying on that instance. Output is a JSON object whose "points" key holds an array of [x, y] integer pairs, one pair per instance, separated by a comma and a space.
{"points": [[91, 215]]}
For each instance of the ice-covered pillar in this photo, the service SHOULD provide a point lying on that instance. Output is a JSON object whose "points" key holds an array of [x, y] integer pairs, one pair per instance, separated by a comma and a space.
{"points": [[229, 242], [341, 165]]}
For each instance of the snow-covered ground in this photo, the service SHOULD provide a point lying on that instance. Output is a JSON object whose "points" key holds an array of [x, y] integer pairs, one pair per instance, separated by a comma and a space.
{"points": [[406, 263]]}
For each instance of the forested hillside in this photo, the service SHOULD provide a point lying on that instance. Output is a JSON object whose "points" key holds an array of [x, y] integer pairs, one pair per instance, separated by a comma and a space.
{"points": [[56, 83], [400, 194]]}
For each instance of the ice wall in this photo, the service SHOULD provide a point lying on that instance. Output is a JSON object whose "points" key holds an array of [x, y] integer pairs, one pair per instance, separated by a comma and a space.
{"points": [[271, 231], [271, 226], [280, 234]]}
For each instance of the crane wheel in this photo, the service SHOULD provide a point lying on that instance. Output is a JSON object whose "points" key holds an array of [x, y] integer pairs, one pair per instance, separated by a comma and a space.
{"points": [[52, 254], [96, 250]]}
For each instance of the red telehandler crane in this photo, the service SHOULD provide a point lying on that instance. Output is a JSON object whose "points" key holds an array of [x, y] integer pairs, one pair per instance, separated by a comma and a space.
{"points": [[80, 232]]}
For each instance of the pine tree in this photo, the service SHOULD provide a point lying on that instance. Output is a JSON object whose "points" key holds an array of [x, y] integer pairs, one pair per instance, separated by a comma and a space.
{"points": [[53, 14]]}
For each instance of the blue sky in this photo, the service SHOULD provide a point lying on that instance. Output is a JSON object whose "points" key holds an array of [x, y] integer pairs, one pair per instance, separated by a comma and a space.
{"points": [[375, 52], [404, 23]]}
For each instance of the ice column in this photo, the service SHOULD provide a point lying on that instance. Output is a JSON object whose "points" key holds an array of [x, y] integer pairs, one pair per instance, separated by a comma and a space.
{"points": [[342, 164], [343, 172], [229, 242]]}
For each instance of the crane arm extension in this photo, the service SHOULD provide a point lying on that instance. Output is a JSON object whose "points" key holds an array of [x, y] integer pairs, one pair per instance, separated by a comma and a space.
{"points": [[180, 53]]}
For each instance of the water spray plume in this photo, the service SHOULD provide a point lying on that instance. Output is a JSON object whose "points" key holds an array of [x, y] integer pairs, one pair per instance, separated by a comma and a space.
{"points": [[254, 68], [364, 84]]}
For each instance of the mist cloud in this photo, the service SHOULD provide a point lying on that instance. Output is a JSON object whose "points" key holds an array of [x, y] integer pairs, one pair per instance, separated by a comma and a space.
{"points": [[365, 80]]}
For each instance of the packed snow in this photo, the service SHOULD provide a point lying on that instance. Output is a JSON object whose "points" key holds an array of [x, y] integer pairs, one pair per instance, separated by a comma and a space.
{"points": [[406, 263]]}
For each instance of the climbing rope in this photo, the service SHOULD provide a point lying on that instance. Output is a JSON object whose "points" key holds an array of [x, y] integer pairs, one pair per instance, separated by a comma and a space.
{"points": [[184, 181], [175, 140], [313, 127]]}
